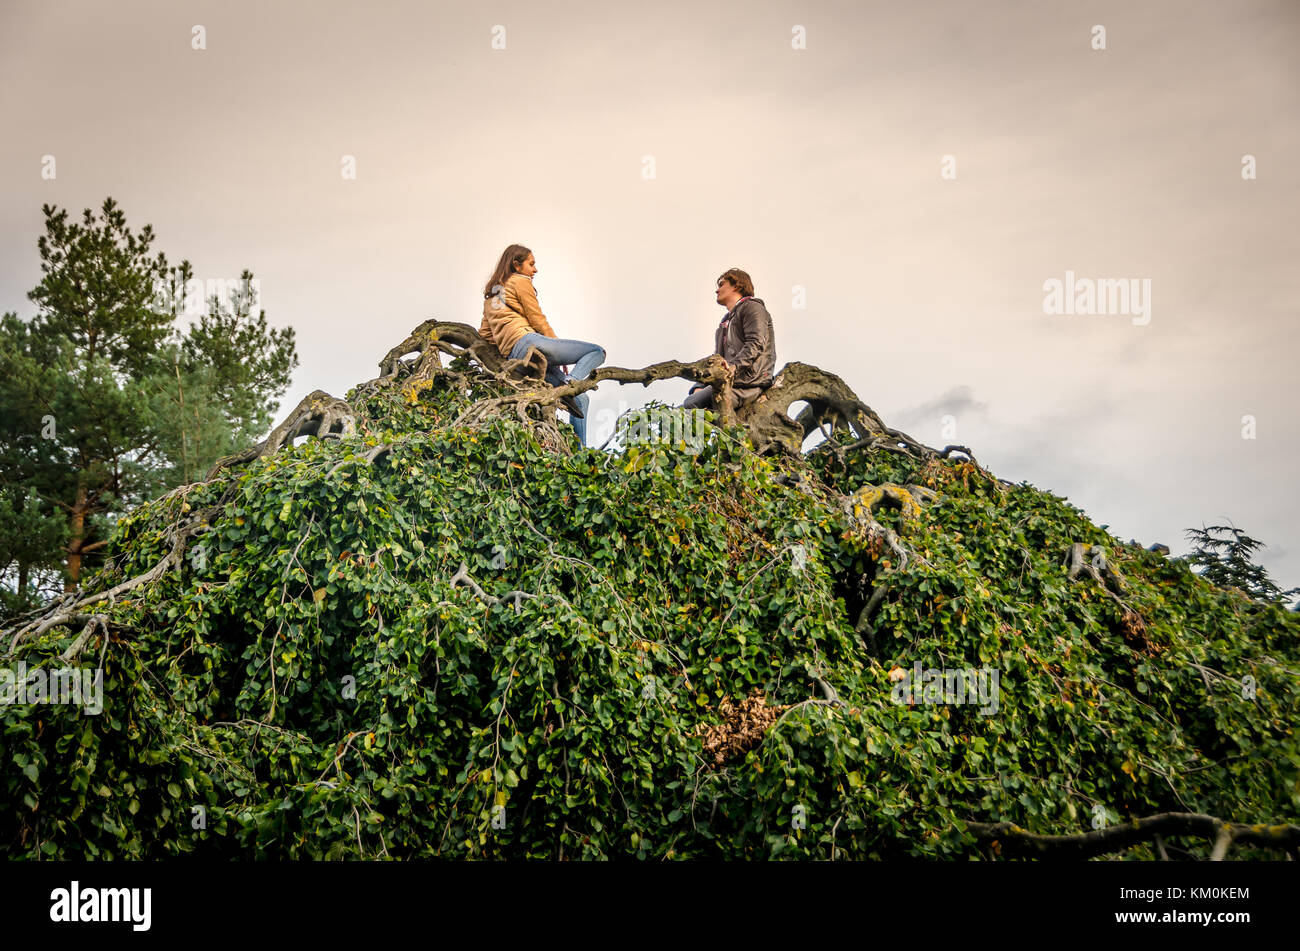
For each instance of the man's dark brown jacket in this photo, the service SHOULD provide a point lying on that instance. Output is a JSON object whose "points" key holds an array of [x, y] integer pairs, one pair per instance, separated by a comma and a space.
{"points": [[745, 339]]}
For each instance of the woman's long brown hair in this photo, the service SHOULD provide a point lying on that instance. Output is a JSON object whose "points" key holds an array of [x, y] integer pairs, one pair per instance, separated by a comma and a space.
{"points": [[511, 258]]}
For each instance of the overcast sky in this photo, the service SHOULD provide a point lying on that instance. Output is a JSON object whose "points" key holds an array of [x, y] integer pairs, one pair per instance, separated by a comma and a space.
{"points": [[820, 167]]}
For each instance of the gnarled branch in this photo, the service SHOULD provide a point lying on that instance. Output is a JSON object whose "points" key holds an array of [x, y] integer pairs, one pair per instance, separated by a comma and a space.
{"points": [[319, 414]]}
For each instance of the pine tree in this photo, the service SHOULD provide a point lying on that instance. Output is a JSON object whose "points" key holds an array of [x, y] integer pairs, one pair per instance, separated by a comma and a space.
{"points": [[212, 392], [107, 403], [33, 470], [1225, 555]]}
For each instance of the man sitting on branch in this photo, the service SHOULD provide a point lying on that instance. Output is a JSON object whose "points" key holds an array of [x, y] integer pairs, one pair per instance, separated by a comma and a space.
{"points": [[744, 340]]}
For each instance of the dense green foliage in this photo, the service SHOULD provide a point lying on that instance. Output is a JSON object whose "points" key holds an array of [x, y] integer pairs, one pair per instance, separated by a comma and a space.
{"points": [[314, 681]]}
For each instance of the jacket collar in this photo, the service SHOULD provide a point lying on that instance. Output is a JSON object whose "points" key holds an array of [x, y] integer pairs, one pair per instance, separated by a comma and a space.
{"points": [[736, 308]]}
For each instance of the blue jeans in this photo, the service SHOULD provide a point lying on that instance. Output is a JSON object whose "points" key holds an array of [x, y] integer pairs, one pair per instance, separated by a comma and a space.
{"points": [[584, 356]]}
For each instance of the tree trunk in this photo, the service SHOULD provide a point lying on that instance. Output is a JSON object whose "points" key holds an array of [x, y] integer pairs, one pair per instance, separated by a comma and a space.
{"points": [[78, 538], [185, 448]]}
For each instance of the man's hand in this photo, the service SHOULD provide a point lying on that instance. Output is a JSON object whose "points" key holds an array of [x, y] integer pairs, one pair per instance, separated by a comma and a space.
{"points": [[715, 363]]}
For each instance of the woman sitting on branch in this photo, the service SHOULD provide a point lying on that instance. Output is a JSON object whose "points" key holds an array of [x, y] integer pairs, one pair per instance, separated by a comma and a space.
{"points": [[514, 322]]}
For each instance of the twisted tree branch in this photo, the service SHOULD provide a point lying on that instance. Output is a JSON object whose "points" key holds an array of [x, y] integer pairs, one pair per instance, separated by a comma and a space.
{"points": [[318, 414]]}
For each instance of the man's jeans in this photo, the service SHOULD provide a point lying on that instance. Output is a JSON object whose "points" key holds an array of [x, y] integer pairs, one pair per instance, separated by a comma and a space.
{"points": [[701, 397], [584, 356]]}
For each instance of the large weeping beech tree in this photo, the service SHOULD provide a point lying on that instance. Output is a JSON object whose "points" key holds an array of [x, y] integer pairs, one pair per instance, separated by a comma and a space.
{"points": [[421, 621]]}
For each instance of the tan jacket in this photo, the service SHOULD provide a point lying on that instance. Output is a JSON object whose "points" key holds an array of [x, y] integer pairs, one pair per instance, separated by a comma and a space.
{"points": [[513, 313]]}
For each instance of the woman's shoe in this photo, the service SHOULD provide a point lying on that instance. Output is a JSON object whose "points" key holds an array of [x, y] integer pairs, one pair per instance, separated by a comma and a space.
{"points": [[571, 405]]}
